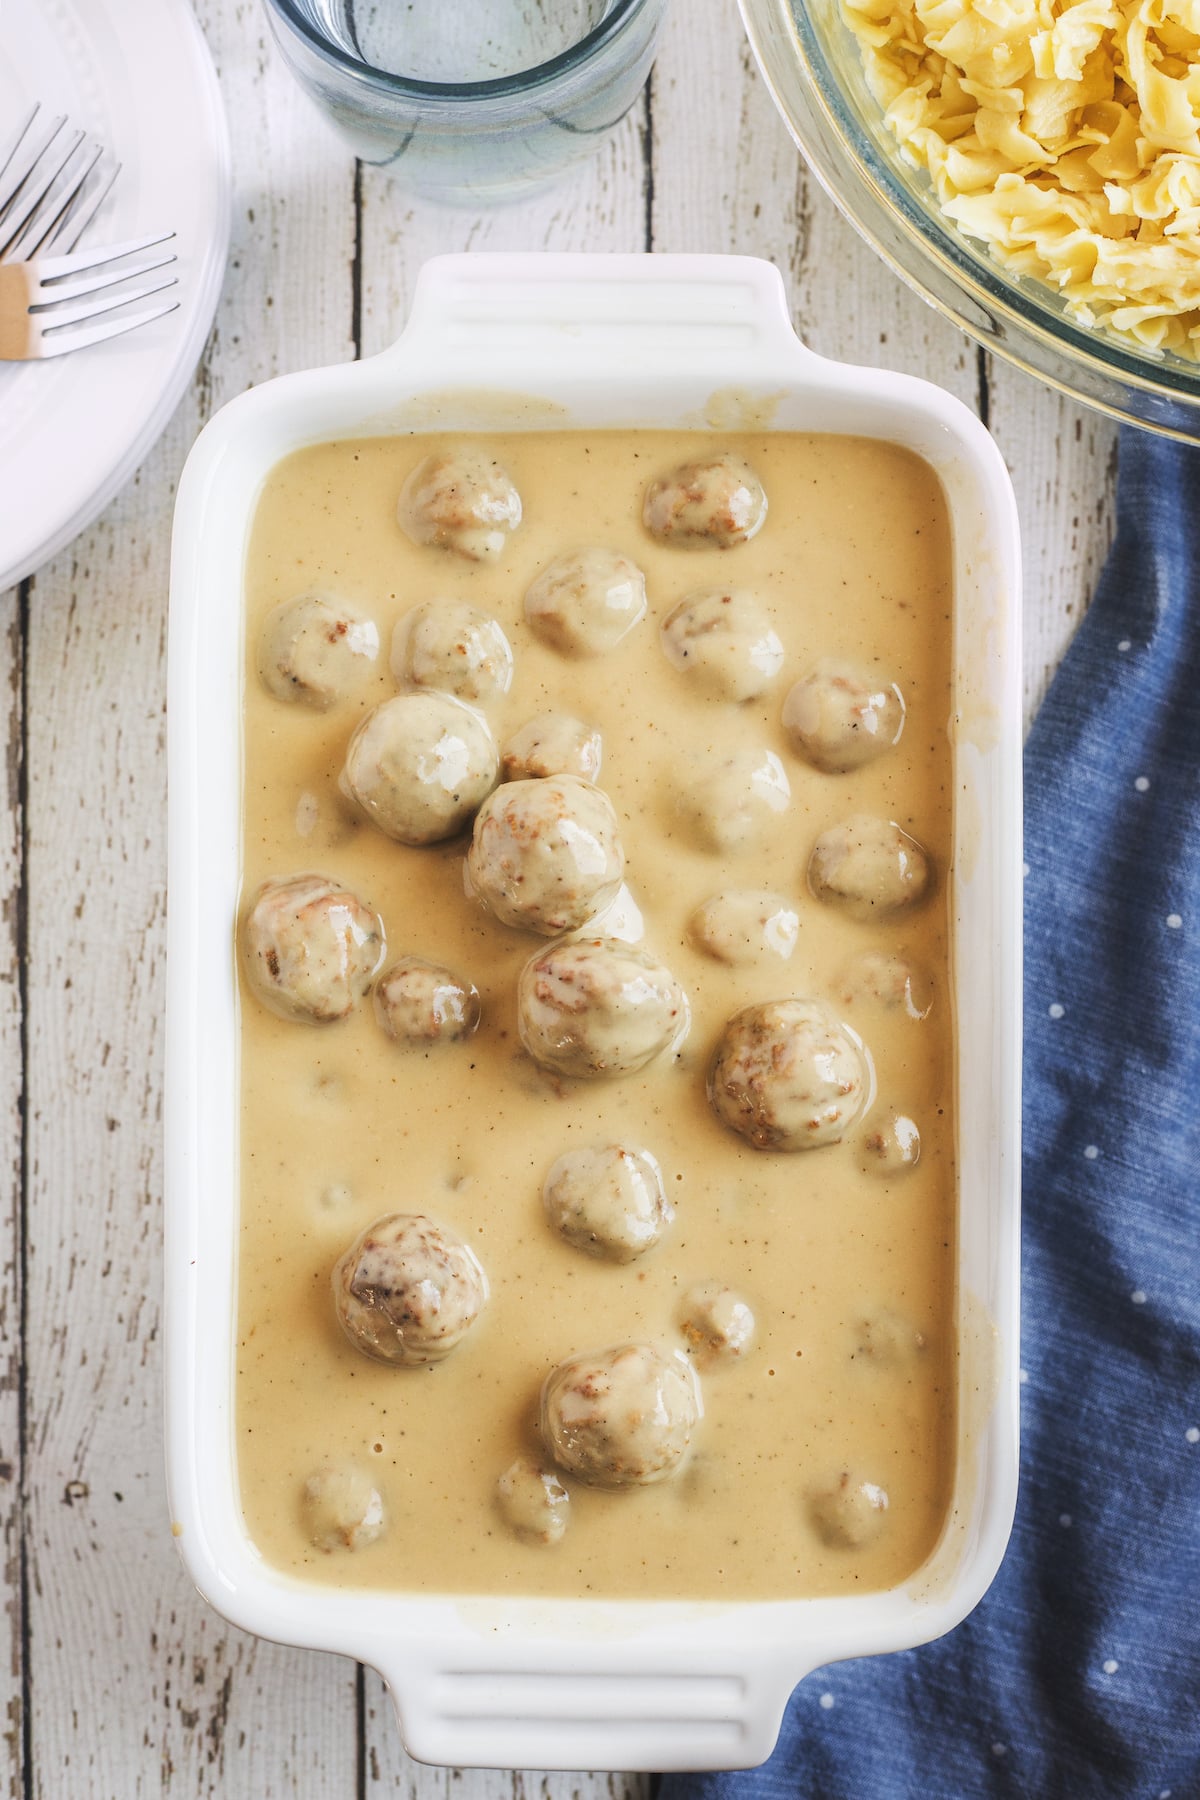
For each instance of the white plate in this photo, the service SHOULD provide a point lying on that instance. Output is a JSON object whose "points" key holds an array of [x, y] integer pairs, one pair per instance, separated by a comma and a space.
{"points": [[137, 75]]}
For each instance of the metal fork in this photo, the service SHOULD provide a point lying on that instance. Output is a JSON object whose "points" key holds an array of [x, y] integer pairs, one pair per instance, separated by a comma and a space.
{"points": [[51, 187]]}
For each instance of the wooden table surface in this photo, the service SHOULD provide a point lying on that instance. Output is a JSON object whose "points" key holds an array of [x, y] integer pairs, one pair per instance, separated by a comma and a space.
{"points": [[119, 1681]]}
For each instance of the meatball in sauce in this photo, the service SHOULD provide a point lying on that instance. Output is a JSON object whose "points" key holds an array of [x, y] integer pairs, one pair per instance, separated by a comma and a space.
{"points": [[311, 948], [586, 603], [408, 1290], [608, 1201], [418, 1002], [462, 501], [621, 1418], [524, 1106], [316, 651], [420, 766], [789, 1076], [598, 1007], [545, 855], [706, 505]]}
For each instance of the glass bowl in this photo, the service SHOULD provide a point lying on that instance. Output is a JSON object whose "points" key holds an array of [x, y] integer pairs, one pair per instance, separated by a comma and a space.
{"points": [[813, 69]]}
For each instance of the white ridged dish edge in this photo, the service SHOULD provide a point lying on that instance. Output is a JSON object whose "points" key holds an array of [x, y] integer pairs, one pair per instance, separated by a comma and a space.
{"points": [[601, 342]]}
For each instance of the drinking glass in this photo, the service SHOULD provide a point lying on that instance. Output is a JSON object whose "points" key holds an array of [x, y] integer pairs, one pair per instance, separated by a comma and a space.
{"points": [[470, 100]]}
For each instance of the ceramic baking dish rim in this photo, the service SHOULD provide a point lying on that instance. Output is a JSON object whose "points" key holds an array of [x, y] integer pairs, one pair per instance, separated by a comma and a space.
{"points": [[549, 341]]}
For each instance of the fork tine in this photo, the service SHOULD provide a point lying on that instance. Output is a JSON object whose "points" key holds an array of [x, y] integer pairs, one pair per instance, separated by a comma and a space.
{"points": [[40, 230], [79, 340], [27, 201], [14, 146], [24, 157], [52, 268], [52, 322], [49, 294], [81, 212]]}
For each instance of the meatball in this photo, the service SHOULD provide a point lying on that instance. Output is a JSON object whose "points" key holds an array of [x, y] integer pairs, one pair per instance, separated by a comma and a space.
{"points": [[341, 1509], [552, 744], [597, 1007], [868, 867], [734, 798], [450, 645], [533, 1502], [892, 1147], [545, 855], [886, 1340], [463, 502], [311, 948], [788, 1075], [316, 650], [608, 1200], [419, 1002], [586, 602], [622, 1417], [706, 505], [408, 1290], [842, 715], [419, 766], [849, 1513], [744, 926], [723, 641], [717, 1323], [882, 979]]}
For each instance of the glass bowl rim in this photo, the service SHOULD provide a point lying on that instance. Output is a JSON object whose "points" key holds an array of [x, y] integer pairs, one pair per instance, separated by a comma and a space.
{"points": [[408, 87], [979, 277]]}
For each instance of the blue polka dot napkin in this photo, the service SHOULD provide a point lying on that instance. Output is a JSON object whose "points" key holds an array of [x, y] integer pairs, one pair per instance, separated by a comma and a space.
{"points": [[1078, 1676]]}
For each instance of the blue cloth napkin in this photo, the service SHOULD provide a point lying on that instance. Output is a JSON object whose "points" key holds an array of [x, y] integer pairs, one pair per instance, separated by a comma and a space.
{"points": [[1078, 1676]]}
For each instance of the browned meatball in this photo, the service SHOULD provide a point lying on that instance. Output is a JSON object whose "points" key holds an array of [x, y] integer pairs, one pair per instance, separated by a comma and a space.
{"points": [[883, 978], [341, 1508], [725, 644], [463, 502], [408, 1290], [706, 505], [545, 855], [533, 1502], [891, 1147], [850, 1512], [869, 868], [608, 1200], [744, 926], [552, 744], [316, 650], [717, 1323], [452, 646], [587, 601], [842, 716], [788, 1076], [623, 1417], [597, 1007], [419, 766], [419, 1002], [311, 948]]}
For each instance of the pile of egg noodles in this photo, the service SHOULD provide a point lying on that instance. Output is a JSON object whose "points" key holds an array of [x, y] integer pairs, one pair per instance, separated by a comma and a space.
{"points": [[1063, 133]]}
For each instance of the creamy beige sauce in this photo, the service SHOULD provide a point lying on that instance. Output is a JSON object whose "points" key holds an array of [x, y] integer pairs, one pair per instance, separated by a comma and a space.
{"points": [[339, 1125]]}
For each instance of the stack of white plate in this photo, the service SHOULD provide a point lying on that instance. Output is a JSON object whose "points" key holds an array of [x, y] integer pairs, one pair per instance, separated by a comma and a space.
{"points": [[136, 74]]}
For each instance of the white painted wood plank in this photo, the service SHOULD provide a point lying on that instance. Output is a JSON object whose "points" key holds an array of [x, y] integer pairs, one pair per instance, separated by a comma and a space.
{"points": [[12, 1006], [139, 1690], [1063, 461]]}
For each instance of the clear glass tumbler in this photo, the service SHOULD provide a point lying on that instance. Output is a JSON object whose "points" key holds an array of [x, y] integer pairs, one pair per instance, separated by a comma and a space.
{"points": [[470, 100]]}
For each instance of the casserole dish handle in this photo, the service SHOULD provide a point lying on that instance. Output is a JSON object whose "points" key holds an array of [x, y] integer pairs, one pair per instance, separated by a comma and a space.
{"points": [[639, 315]]}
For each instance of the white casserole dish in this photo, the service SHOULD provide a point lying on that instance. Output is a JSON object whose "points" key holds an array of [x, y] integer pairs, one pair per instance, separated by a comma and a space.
{"points": [[553, 342]]}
